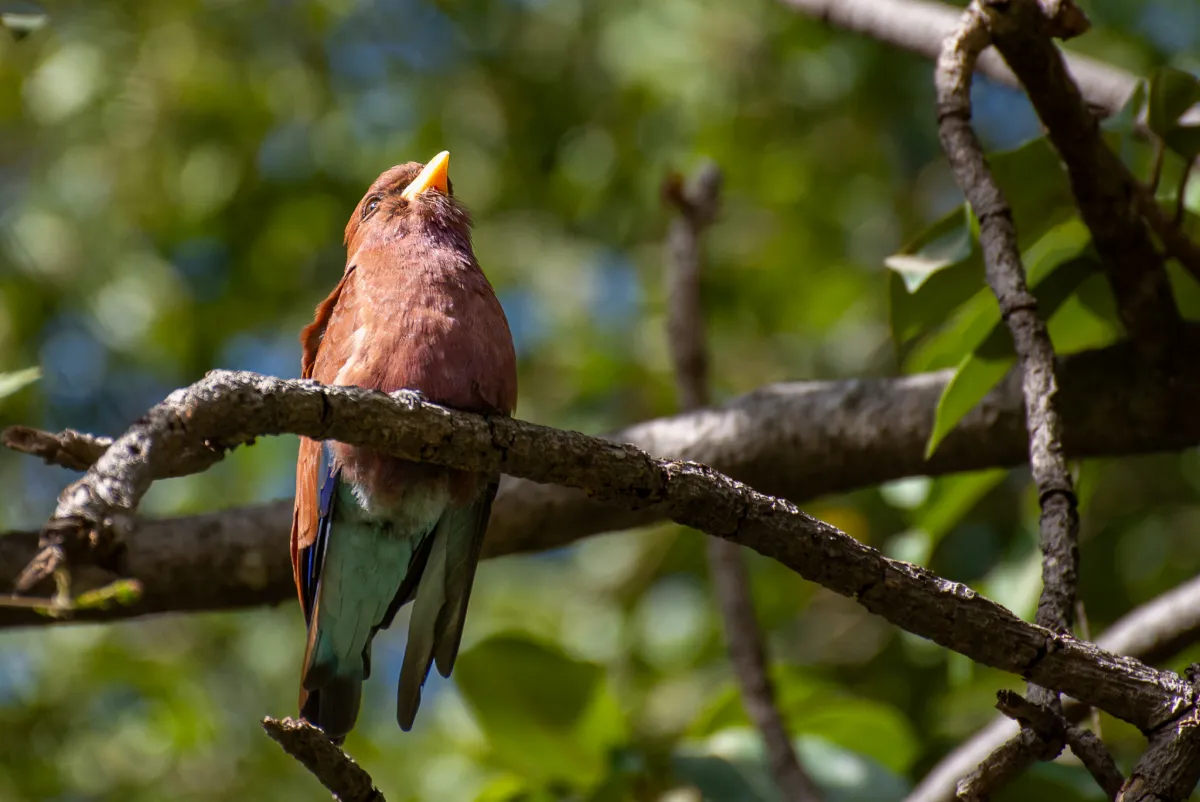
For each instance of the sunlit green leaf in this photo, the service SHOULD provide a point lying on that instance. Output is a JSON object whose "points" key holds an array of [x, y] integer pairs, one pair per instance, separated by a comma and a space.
{"points": [[121, 592], [941, 269], [729, 765], [994, 357], [813, 707], [12, 382], [946, 242], [1172, 92], [23, 19]]}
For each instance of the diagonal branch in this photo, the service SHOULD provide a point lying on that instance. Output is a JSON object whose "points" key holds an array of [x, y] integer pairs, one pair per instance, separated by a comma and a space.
{"points": [[797, 440], [698, 202], [921, 26], [1051, 727], [337, 771], [1153, 632], [1035, 353], [229, 408], [1101, 183]]}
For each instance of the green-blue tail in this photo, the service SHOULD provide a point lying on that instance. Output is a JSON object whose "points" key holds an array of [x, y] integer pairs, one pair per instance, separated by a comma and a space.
{"points": [[359, 571]]}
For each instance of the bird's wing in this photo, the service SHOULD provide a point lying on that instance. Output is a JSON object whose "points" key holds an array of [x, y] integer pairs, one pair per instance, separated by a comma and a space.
{"points": [[306, 513]]}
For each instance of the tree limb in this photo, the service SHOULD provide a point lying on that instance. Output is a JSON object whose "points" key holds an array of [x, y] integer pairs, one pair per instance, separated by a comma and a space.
{"points": [[1101, 183], [1152, 632], [797, 440], [1005, 274], [921, 27], [337, 771], [228, 408], [697, 203]]}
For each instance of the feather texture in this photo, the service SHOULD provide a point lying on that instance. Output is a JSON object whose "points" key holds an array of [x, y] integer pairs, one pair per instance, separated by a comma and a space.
{"points": [[412, 310]]}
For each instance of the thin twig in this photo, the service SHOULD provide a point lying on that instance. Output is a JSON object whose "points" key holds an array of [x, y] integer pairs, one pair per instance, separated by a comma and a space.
{"points": [[1101, 183], [337, 771], [1155, 631], [697, 202], [1052, 728], [1006, 276]]}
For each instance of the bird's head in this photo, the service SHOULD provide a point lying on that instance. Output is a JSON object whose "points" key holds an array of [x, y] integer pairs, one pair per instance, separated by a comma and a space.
{"points": [[411, 199]]}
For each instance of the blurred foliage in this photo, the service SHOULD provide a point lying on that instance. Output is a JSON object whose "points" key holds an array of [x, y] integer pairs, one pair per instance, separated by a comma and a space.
{"points": [[174, 179]]}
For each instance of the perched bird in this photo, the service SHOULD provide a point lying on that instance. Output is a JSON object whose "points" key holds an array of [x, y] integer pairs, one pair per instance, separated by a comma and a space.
{"points": [[412, 310]]}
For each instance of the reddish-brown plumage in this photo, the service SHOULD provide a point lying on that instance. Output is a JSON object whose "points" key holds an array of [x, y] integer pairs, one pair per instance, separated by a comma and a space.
{"points": [[412, 310]]}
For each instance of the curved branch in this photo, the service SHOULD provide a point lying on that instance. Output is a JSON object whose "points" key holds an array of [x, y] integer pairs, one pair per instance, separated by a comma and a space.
{"points": [[798, 441], [229, 408]]}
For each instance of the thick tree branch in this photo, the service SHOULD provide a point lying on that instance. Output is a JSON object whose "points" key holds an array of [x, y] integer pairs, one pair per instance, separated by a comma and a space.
{"points": [[228, 408], [697, 202], [798, 440], [921, 27], [1153, 632], [337, 771]]}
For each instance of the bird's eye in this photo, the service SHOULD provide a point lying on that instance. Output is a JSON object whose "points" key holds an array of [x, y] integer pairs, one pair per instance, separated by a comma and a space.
{"points": [[370, 206]]}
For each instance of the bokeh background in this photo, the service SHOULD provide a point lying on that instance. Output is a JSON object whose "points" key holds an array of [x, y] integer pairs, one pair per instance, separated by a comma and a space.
{"points": [[174, 180]]}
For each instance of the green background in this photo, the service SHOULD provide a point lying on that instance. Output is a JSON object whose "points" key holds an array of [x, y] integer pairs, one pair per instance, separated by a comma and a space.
{"points": [[174, 180]]}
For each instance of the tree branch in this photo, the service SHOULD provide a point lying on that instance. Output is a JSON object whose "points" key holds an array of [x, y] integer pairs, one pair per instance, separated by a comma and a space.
{"points": [[697, 203], [1059, 523], [1153, 632], [1051, 727], [797, 440], [1100, 181], [921, 27], [228, 408], [337, 771]]}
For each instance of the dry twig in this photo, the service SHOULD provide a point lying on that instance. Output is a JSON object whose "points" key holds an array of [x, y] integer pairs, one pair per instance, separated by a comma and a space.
{"points": [[337, 771]]}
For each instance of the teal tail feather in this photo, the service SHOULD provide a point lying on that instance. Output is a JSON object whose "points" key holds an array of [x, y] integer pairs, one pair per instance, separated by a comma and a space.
{"points": [[355, 579], [440, 609]]}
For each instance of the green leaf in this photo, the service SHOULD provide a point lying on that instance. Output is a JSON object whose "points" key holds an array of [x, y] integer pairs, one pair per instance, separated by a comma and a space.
{"points": [[941, 269], [539, 707], [980, 370], [952, 498], [1120, 129], [976, 375], [974, 321], [730, 766], [22, 22], [122, 592], [12, 382], [946, 242], [814, 707], [1172, 92], [1186, 289], [1184, 140]]}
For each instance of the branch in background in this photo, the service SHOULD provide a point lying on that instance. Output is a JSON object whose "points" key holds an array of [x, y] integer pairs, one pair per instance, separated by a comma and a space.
{"points": [[227, 408], [1005, 274], [797, 440], [1153, 632], [337, 771], [1100, 181], [1053, 728], [921, 27], [697, 203]]}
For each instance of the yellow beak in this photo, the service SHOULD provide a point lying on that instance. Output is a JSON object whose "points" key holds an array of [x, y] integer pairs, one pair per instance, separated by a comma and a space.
{"points": [[436, 175]]}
